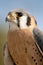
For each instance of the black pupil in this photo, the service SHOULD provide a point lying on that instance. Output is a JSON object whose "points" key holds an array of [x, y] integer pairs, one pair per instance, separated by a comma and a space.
{"points": [[19, 14]]}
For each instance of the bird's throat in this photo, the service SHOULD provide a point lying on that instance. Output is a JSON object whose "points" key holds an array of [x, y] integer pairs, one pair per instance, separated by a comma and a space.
{"points": [[13, 27]]}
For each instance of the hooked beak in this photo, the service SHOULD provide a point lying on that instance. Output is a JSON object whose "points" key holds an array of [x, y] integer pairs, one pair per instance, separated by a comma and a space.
{"points": [[11, 17], [6, 19]]}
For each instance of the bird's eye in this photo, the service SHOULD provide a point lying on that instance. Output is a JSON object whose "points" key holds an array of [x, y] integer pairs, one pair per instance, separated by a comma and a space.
{"points": [[19, 14], [28, 21]]}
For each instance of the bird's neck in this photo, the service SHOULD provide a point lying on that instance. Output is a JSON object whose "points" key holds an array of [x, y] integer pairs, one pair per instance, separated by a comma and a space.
{"points": [[13, 27]]}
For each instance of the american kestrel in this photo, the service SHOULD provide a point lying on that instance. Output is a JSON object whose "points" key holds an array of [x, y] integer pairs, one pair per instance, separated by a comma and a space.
{"points": [[25, 41]]}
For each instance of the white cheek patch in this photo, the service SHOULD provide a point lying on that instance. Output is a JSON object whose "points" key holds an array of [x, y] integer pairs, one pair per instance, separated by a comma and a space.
{"points": [[23, 21]]}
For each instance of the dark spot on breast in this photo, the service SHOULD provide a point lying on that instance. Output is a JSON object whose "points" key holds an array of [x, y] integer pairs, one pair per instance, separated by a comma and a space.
{"points": [[25, 50], [40, 60], [32, 57], [14, 64], [34, 60], [36, 63]]}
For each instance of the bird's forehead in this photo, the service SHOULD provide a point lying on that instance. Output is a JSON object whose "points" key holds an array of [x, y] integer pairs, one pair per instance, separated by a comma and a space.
{"points": [[22, 11], [19, 10]]}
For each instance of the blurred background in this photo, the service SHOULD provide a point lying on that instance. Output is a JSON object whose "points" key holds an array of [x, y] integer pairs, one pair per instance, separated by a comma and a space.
{"points": [[35, 7]]}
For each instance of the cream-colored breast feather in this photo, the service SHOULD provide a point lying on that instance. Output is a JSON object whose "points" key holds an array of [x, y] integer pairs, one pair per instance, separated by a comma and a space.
{"points": [[23, 49]]}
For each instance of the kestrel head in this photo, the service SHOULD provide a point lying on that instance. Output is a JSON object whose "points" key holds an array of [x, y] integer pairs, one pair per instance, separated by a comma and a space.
{"points": [[21, 19]]}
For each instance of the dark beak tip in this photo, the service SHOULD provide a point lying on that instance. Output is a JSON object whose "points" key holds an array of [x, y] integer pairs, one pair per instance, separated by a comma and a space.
{"points": [[6, 19]]}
